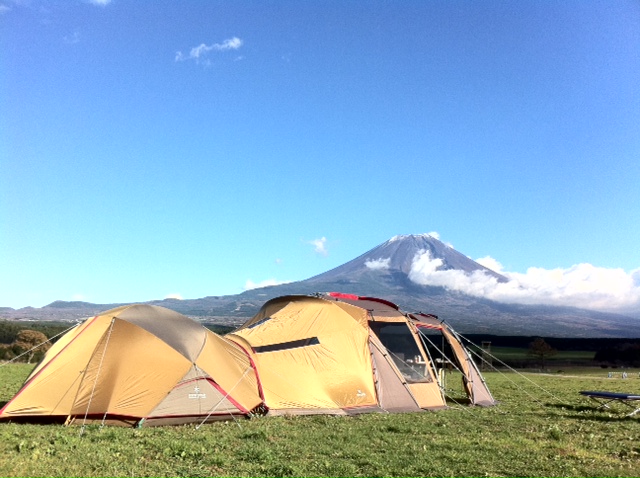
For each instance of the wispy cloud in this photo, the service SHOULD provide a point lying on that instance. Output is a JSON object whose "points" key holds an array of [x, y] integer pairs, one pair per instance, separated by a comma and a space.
{"points": [[582, 285], [320, 246], [265, 283], [73, 38], [174, 296], [378, 264], [41, 6], [200, 51]]}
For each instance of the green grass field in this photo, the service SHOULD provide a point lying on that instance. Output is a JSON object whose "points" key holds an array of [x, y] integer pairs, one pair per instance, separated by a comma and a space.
{"points": [[542, 427]]}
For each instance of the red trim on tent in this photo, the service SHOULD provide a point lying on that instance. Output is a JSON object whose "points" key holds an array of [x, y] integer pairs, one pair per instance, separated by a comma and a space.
{"points": [[227, 396], [382, 301], [340, 295], [431, 316], [255, 370], [428, 326], [24, 386], [187, 415], [101, 416]]}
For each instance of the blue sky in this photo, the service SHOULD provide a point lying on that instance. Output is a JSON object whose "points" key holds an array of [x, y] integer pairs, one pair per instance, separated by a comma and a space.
{"points": [[197, 148]]}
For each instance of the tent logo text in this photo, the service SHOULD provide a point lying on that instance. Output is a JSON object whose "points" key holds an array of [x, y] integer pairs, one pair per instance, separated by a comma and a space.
{"points": [[196, 394]]}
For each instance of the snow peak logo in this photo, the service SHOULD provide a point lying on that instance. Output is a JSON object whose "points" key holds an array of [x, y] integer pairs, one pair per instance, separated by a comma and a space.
{"points": [[196, 393]]}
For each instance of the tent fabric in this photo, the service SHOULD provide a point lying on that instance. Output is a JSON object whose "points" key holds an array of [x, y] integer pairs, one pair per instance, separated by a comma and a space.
{"points": [[138, 364], [311, 355]]}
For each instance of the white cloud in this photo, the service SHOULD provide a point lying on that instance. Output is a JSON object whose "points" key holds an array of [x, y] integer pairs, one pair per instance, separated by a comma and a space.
{"points": [[203, 49], [4, 8], [378, 264], [265, 283], [434, 234], [174, 296], [582, 285], [490, 263], [100, 3], [320, 246]]}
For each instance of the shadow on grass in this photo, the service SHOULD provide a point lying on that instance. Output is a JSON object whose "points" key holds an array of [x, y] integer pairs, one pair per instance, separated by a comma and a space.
{"points": [[600, 414], [457, 401]]}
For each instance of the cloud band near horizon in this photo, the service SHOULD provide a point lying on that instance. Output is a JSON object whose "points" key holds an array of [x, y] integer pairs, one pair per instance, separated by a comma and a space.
{"points": [[581, 285]]}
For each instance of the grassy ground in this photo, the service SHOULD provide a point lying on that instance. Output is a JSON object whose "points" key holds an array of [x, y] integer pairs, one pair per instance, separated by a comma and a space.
{"points": [[542, 427]]}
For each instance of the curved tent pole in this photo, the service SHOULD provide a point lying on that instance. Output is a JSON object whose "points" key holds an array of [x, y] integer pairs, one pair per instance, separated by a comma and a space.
{"points": [[463, 356], [423, 337], [441, 385], [470, 360]]}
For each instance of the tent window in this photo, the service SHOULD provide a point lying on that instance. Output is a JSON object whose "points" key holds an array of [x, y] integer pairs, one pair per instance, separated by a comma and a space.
{"points": [[260, 322], [403, 349], [294, 344]]}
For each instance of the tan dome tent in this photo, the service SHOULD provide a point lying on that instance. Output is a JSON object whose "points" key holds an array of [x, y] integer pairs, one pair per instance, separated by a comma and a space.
{"points": [[138, 365], [345, 354]]}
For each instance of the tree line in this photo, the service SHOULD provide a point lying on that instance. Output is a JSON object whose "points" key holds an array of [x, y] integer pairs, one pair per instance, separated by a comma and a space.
{"points": [[27, 340]]}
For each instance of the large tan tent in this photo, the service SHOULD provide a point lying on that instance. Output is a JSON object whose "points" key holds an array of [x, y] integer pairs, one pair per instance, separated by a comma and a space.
{"points": [[138, 365], [345, 354]]}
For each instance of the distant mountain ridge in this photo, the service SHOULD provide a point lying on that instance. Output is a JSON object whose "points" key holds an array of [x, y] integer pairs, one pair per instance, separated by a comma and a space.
{"points": [[385, 272]]}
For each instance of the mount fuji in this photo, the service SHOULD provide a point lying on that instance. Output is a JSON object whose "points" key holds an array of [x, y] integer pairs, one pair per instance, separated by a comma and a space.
{"points": [[400, 270]]}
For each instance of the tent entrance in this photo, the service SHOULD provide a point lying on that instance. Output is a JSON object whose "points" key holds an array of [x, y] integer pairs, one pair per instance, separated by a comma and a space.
{"points": [[401, 344], [451, 354]]}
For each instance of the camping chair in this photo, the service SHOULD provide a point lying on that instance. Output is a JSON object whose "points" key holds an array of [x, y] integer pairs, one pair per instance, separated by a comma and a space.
{"points": [[605, 398]]}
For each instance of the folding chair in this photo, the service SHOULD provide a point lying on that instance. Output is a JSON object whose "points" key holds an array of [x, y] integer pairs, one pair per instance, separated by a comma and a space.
{"points": [[605, 398]]}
